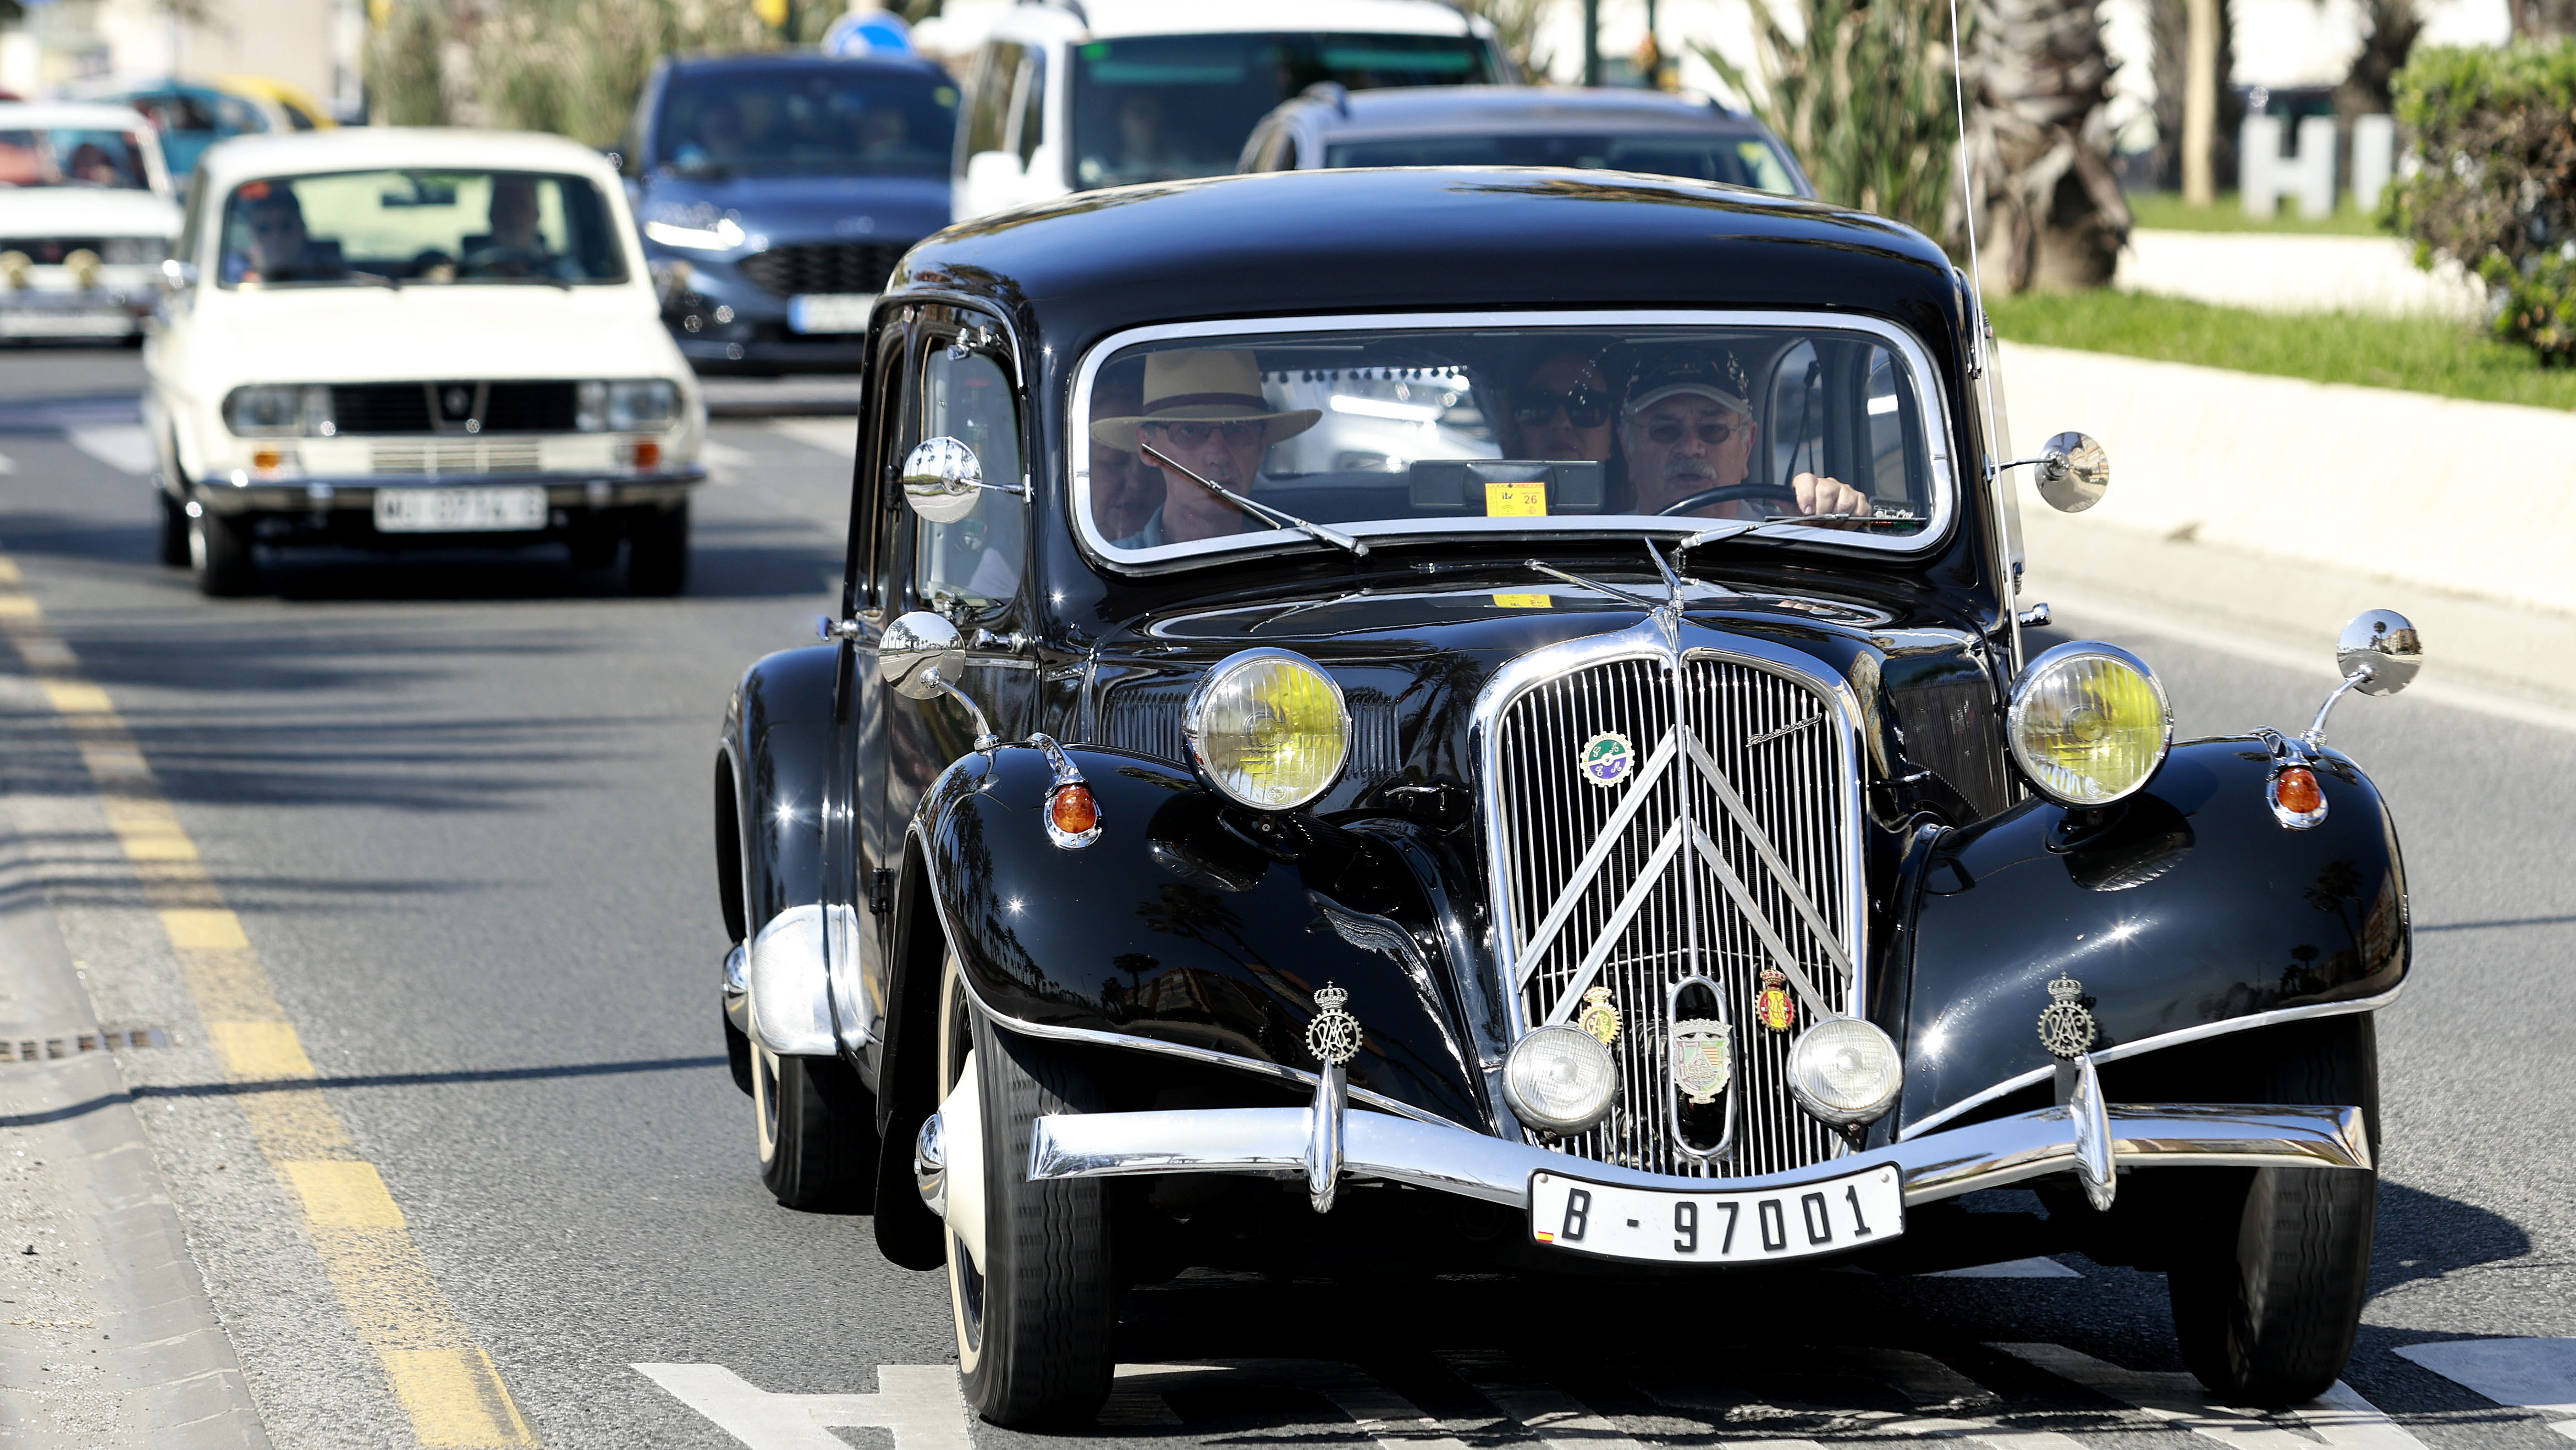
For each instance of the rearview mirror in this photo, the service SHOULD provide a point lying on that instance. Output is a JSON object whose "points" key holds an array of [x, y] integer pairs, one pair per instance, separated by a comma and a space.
{"points": [[919, 654], [2074, 472], [2379, 652], [940, 479]]}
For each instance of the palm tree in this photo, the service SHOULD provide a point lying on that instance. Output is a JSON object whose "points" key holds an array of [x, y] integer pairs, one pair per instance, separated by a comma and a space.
{"points": [[2049, 210]]}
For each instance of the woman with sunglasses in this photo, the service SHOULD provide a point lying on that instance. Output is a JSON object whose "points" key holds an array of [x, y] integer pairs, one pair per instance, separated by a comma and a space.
{"points": [[1562, 410]]}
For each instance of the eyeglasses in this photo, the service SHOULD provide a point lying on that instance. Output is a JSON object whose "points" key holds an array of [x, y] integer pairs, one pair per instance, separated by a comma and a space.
{"points": [[1582, 407], [1196, 435], [1669, 432]]}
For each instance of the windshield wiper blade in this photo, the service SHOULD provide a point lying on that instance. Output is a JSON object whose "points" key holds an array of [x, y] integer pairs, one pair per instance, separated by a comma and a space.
{"points": [[1613, 590], [1277, 518]]}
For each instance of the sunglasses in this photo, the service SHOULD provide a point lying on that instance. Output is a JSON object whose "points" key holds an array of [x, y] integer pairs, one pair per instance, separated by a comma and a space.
{"points": [[1196, 435], [1582, 407], [1668, 433]]}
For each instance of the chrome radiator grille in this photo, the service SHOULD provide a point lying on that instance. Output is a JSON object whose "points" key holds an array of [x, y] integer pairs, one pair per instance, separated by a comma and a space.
{"points": [[1727, 846]]}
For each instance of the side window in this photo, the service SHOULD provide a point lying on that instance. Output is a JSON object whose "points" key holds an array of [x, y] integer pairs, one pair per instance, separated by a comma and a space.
{"points": [[883, 441], [971, 567], [988, 115], [1032, 105], [192, 223]]}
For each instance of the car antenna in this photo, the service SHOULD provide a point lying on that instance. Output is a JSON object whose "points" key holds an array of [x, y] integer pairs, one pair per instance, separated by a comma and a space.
{"points": [[1982, 340]]}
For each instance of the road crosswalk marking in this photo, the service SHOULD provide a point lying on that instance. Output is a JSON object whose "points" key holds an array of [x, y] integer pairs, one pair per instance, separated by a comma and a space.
{"points": [[1558, 1420], [2530, 1374], [2340, 1418], [919, 1405]]}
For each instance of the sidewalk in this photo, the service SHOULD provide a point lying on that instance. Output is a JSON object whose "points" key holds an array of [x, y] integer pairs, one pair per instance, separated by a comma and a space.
{"points": [[2293, 272]]}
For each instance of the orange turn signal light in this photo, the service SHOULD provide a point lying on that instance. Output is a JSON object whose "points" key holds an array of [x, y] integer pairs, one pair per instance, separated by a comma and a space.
{"points": [[2298, 791], [268, 460], [647, 455], [1072, 810]]}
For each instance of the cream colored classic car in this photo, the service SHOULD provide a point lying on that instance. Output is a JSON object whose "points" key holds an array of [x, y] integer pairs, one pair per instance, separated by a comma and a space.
{"points": [[85, 221], [385, 338]]}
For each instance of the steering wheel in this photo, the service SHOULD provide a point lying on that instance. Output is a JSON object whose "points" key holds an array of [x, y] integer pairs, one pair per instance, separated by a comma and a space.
{"points": [[1729, 494]]}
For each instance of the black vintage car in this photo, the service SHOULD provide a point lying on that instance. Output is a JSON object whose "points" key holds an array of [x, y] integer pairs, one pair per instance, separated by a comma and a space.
{"points": [[1479, 717]]}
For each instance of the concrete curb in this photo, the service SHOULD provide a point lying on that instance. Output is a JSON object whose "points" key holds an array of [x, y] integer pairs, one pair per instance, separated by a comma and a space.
{"points": [[108, 1337], [2296, 273]]}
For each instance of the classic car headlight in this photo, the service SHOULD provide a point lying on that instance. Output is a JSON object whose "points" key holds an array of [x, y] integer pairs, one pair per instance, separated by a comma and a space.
{"points": [[1268, 728], [2088, 723], [1560, 1079], [1844, 1070], [634, 405], [270, 410]]}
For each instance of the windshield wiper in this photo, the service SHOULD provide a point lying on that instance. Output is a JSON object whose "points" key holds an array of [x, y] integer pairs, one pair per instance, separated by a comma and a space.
{"points": [[1277, 518]]}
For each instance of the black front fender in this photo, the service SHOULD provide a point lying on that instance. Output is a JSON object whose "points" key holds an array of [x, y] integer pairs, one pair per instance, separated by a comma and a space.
{"points": [[778, 743], [2185, 908], [1191, 923]]}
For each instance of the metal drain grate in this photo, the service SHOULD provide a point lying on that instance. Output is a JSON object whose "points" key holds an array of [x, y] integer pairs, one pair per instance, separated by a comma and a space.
{"points": [[45, 1049]]}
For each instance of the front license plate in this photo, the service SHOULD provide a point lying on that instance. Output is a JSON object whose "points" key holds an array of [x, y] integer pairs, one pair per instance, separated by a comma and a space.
{"points": [[830, 311], [1756, 1226], [459, 510]]}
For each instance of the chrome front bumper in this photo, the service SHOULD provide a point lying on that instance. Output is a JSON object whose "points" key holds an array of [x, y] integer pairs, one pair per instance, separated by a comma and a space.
{"points": [[243, 492], [1276, 1142]]}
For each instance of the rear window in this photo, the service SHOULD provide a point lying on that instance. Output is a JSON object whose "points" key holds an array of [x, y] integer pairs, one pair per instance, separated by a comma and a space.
{"points": [[1731, 160], [1164, 107]]}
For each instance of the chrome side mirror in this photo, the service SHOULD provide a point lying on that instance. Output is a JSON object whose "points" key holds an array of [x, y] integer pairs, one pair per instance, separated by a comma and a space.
{"points": [[2379, 653], [177, 276], [2074, 472], [941, 477], [922, 655]]}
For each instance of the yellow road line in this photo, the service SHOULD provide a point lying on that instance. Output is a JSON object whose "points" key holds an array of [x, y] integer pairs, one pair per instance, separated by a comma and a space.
{"points": [[440, 1375]]}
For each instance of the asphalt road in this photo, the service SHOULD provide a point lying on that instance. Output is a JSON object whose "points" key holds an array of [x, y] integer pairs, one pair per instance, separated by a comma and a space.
{"points": [[460, 806]]}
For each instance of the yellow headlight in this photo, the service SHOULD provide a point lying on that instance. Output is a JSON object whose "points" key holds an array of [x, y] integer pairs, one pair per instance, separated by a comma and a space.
{"points": [[2088, 723], [1268, 728]]}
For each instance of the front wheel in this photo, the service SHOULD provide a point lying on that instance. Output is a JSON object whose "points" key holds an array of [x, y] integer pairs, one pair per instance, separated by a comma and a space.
{"points": [[657, 552], [173, 550], [219, 554], [1034, 1320], [2268, 1292], [818, 1134]]}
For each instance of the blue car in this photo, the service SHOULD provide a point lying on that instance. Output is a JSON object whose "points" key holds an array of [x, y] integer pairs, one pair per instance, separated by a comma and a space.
{"points": [[775, 194]]}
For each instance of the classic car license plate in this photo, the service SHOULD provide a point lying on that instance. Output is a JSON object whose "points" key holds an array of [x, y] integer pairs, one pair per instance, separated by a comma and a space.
{"points": [[830, 311], [1754, 1226], [459, 510]]}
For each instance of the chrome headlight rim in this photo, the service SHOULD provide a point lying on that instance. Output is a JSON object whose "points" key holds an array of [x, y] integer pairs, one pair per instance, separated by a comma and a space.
{"points": [[1841, 1115], [2049, 660], [1535, 1115], [1194, 721]]}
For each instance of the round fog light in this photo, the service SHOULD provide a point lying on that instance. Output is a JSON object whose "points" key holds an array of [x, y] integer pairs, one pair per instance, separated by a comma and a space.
{"points": [[1844, 1070], [1560, 1079]]}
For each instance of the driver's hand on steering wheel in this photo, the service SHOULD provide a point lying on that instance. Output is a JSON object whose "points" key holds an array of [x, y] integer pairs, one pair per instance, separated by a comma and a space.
{"points": [[1828, 496]]}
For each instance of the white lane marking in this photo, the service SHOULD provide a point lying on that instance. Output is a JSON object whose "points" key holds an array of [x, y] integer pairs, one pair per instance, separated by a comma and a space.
{"points": [[7, 464], [1717, 1405], [918, 1404], [1390, 1419], [124, 447], [1135, 1410], [725, 455], [2531, 1374], [2315, 663], [2340, 1418], [1558, 1420], [831, 435], [2015, 1269]]}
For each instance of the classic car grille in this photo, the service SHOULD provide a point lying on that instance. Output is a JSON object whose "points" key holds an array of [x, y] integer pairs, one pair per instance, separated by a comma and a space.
{"points": [[1779, 745], [1147, 720], [362, 408], [824, 267], [459, 455]]}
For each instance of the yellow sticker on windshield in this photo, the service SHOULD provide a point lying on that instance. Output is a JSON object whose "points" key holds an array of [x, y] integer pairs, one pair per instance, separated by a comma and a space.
{"points": [[1515, 500], [1523, 601]]}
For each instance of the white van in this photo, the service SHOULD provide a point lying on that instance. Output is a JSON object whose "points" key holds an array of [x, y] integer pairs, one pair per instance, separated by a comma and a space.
{"points": [[1079, 94]]}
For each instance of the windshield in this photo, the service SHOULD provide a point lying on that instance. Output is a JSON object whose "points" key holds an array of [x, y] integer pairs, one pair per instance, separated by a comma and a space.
{"points": [[1162, 107], [359, 228], [1733, 160], [1516, 425], [806, 121], [71, 156]]}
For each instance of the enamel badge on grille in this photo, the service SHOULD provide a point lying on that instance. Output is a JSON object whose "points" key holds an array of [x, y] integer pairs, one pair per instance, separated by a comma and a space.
{"points": [[1334, 1035], [1703, 1057], [1607, 758], [1599, 1016], [1773, 1007]]}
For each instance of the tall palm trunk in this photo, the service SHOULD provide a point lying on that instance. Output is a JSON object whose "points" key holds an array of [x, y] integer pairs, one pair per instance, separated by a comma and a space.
{"points": [[2050, 213]]}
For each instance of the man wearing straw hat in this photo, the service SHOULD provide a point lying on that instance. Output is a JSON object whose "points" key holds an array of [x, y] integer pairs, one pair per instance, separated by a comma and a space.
{"points": [[1204, 410]]}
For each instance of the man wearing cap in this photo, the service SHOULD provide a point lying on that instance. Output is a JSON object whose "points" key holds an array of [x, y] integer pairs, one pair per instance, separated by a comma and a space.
{"points": [[1203, 409], [1686, 428]]}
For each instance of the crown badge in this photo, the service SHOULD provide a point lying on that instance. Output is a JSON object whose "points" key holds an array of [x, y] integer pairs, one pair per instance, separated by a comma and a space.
{"points": [[1334, 1036], [2066, 1025], [1599, 1016]]}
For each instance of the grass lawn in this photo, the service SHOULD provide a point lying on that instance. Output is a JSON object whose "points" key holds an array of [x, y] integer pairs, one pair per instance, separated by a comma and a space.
{"points": [[2165, 209], [2424, 355]]}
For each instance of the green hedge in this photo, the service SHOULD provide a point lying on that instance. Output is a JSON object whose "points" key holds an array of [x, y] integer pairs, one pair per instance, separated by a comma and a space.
{"points": [[2493, 135]]}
